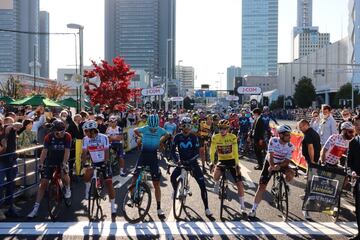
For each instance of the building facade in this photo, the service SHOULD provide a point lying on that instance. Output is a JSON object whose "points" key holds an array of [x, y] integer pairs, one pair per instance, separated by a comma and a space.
{"points": [[186, 77], [309, 41], [259, 37], [44, 22], [231, 73], [143, 33], [327, 67], [17, 50], [304, 16]]}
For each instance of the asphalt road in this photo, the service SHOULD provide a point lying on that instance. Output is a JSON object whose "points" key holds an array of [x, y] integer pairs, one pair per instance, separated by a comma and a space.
{"points": [[268, 224]]}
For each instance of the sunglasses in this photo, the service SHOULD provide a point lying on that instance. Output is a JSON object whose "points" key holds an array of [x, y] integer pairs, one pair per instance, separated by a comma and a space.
{"points": [[223, 128], [60, 132], [186, 125], [350, 131], [286, 134]]}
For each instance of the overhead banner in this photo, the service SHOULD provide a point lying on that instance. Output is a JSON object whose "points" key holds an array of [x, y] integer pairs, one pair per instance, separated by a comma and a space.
{"points": [[249, 90], [152, 91], [323, 188]]}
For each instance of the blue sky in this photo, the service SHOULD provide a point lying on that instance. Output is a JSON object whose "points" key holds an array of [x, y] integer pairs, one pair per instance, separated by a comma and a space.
{"points": [[208, 32]]}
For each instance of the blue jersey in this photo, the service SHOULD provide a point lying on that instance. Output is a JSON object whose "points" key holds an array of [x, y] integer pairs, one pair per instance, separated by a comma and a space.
{"points": [[266, 120], [151, 140], [170, 127], [187, 146], [245, 124]]}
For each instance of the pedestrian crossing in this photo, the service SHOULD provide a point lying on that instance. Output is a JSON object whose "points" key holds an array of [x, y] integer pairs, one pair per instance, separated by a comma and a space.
{"points": [[168, 229]]}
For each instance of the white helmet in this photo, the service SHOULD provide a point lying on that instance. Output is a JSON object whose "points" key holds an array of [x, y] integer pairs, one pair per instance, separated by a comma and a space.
{"points": [[347, 125], [91, 124], [283, 129], [113, 118]]}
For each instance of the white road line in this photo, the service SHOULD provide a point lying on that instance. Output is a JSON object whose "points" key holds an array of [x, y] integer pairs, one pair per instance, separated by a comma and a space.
{"points": [[123, 229], [245, 172], [351, 208]]}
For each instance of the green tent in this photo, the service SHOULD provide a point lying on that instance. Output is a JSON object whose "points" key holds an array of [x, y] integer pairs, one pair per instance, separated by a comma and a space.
{"points": [[6, 99], [69, 102], [36, 100]]}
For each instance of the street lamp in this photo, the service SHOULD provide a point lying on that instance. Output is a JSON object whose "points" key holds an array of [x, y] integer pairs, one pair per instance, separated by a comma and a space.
{"points": [[81, 45], [167, 73]]}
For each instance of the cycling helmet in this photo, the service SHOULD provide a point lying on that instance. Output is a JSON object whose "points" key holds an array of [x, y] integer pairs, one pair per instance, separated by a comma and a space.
{"points": [[58, 125], [153, 121], [215, 117], [91, 124], [99, 117], [112, 119], [170, 116], [224, 123], [284, 129], [347, 126], [185, 120]]}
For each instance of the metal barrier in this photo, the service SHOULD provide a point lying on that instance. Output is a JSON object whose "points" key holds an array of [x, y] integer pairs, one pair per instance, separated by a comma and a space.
{"points": [[21, 181]]}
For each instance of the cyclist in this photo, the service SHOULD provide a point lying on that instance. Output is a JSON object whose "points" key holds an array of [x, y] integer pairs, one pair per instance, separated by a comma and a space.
{"points": [[337, 145], [115, 135], [188, 145], [153, 137], [205, 136], [214, 125], [245, 126], [277, 158], [56, 153], [234, 123], [226, 146], [97, 146]]}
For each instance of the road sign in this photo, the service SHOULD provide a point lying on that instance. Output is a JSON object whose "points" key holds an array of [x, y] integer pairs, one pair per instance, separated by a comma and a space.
{"points": [[249, 90], [177, 99], [232, 98], [152, 91]]}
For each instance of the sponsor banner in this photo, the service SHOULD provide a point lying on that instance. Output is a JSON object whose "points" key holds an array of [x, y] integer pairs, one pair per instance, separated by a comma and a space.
{"points": [[249, 90], [152, 91]]}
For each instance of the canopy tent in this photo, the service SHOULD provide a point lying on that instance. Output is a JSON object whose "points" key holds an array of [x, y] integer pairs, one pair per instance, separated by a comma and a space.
{"points": [[36, 100], [6, 99], [272, 95]]}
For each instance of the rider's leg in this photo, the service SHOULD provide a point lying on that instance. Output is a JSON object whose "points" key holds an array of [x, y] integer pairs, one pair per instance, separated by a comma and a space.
{"points": [[199, 177], [39, 196], [174, 175], [87, 177], [264, 179]]}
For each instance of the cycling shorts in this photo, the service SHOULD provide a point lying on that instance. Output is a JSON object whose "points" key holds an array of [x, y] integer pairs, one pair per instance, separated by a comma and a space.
{"points": [[119, 149], [265, 175], [48, 171], [105, 169], [203, 140], [149, 159], [231, 165]]}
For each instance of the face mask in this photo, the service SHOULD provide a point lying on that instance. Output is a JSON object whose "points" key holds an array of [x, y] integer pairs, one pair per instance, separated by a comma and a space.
{"points": [[247, 115]]}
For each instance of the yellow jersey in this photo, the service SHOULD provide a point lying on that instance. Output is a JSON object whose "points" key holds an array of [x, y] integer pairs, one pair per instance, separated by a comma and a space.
{"points": [[225, 146], [204, 129]]}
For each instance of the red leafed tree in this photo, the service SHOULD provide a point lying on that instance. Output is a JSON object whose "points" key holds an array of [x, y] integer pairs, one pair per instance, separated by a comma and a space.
{"points": [[136, 96], [113, 89], [55, 91]]}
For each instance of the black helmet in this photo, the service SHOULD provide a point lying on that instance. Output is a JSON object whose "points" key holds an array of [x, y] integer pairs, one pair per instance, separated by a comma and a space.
{"points": [[58, 125]]}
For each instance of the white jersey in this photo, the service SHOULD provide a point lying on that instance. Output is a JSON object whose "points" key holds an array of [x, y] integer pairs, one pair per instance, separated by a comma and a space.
{"points": [[281, 151], [96, 147], [336, 146], [110, 132]]}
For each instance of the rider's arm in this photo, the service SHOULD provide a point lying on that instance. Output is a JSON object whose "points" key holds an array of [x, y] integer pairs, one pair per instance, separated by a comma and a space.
{"points": [[137, 132], [274, 120], [67, 148], [236, 151], [85, 150], [326, 147], [271, 151], [271, 159], [285, 163], [173, 150], [212, 149], [164, 137]]}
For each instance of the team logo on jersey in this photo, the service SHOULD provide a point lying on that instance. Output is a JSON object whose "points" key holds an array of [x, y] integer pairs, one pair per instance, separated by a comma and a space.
{"points": [[186, 145]]}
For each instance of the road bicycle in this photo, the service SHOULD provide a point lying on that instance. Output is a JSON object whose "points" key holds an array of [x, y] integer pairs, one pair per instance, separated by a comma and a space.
{"points": [[96, 195], [137, 200], [224, 187], [280, 192]]}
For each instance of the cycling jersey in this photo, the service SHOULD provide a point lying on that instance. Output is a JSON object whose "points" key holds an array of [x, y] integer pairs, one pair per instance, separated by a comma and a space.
{"points": [[336, 146], [204, 129], [281, 152], [187, 146], [225, 146], [110, 132], [170, 127], [266, 119], [56, 148], [96, 147], [151, 140], [245, 124]]}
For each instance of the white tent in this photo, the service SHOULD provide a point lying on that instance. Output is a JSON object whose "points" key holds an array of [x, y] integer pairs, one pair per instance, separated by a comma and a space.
{"points": [[272, 95]]}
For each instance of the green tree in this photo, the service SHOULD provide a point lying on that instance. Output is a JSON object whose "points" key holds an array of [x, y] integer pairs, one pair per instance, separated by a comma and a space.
{"points": [[344, 93], [12, 88], [304, 92]]}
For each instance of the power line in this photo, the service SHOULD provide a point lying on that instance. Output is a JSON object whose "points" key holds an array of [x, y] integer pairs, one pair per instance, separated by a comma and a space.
{"points": [[35, 33]]}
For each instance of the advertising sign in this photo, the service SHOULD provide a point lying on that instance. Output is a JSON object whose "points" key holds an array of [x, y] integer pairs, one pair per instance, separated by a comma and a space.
{"points": [[249, 90], [177, 99], [152, 91], [232, 98]]}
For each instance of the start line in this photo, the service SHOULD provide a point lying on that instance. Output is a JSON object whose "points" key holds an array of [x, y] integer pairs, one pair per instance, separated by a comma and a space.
{"points": [[123, 229]]}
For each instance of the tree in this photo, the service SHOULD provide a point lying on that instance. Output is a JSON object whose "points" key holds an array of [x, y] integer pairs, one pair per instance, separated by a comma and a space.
{"points": [[55, 91], [113, 89], [12, 88], [344, 94], [304, 92]]}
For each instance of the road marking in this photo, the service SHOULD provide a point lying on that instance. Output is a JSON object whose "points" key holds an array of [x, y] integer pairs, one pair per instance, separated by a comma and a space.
{"points": [[351, 208], [121, 180], [245, 172], [123, 229]]}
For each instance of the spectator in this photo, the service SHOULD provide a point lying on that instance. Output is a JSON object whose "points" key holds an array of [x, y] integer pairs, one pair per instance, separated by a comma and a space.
{"points": [[354, 165], [8, 164], [100, 121], [327, 125], [315, 120], [257, 133], [26, 136], [346, 116]]}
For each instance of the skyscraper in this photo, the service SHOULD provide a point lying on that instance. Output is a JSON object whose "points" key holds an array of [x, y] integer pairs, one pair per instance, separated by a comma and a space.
{"points": [[231, 73], [17, 49], [143, 32], [186, 76], [44, 44], [259, 37], [304, 13]]}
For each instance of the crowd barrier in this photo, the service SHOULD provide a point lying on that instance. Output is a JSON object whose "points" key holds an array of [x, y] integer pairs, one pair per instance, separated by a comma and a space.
{"points": [[25, 169]]}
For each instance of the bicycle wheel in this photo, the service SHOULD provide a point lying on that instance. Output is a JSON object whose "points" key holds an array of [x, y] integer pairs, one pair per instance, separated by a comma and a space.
{"points": [[222, 196], [178, 199], [137, 203], [283, 199], [93, 195], [54, 199]]}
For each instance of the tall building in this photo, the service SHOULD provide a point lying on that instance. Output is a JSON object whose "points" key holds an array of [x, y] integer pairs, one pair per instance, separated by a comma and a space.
{"points": [[231, 73], [44, 44], [186, 76], [16, 49], [308, 42], [259, 37], [143, 32], [304, 15]]}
